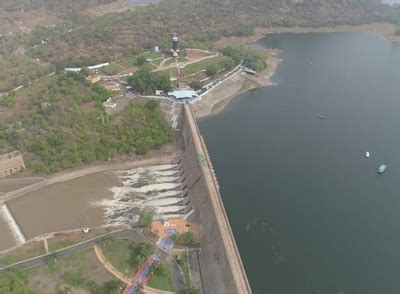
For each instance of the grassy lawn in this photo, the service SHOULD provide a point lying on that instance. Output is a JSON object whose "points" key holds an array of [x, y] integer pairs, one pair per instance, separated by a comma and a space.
{"points": [[62, 240], [112, 69], [168, 71], [170, 61], [128, 62], [182, 59], [75, 271], [152, 55], [161, 279], [150, 66], [27, 251], [201, 65], [117, 252], [157, 61]]}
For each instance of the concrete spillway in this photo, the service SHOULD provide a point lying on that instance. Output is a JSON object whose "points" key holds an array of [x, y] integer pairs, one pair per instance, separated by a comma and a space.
{"points": [[159, 188], [6, 214]]}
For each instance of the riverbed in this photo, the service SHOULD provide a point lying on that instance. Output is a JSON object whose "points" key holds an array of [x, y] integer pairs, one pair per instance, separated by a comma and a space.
{"points": [[64, 206], [309, 212]]}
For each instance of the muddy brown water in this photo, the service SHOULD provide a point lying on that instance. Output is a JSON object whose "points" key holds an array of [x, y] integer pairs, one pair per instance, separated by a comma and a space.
{"points": [[4, 188], [63, 206]]}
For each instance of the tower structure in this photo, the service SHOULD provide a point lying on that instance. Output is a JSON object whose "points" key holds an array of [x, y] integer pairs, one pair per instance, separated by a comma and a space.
{"points": [[175, 45]]}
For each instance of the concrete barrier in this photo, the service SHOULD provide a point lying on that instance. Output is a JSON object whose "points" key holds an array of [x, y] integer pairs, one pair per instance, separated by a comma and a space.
{"points": [[220, 263], [12, 224]]}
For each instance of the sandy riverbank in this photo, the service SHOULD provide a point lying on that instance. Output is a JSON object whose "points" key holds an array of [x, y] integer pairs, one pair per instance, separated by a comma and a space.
{"points": [[216, 100]]}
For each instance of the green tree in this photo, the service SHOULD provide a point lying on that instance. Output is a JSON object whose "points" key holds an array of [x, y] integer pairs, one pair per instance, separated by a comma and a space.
{"points": [[139, 253], [152, 104], [211, 70], [188, 238], [146, 218], [14, 282], [141, 60], [147, 82], [196, 85], [2, 130], [86, 72], [9, 100]]}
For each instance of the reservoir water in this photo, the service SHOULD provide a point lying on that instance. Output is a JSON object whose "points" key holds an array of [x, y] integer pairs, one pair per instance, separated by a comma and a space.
{"points": [[309, 212]]}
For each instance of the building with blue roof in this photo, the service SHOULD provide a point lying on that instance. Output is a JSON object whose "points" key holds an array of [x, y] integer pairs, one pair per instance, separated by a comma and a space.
{"points": [[183, 94]]}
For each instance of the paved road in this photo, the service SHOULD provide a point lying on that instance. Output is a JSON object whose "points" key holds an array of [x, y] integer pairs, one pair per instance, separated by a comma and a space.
{"points": [[177, 273]]}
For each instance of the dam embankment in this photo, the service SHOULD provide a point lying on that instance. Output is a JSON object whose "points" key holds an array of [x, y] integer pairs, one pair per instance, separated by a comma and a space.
{"points": [[220, 262]]}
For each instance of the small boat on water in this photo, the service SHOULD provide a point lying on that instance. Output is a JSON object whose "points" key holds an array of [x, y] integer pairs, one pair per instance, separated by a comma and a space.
{"points": [[381, 169], [367, 154], [322, 117]]}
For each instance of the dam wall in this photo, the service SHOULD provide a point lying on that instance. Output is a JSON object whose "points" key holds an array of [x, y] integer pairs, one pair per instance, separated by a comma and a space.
{"points": [[221, 267]]}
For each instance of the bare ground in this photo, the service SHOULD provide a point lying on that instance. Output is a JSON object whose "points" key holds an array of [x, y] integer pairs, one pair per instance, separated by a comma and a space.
{"points": [[216, 100], [45, 279], [32, 19], [114, 7]]}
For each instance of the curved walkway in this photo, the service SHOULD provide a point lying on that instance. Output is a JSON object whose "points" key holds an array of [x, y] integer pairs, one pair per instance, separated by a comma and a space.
{"points": [[177, 273], [108, 266]]}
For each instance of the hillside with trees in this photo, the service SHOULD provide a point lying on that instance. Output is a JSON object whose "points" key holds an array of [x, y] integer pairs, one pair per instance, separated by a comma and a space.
{"points": [[84, 40], [58, 122], [61, 123], [61, 7], [200, 23]]}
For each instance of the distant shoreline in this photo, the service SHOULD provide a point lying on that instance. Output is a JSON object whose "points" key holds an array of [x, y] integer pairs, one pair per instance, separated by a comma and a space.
{"points": [[215, 101], [382, 29]]}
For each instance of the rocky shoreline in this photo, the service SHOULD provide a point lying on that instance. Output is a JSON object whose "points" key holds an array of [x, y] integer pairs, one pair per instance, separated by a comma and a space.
{"points": [[216, 100]]}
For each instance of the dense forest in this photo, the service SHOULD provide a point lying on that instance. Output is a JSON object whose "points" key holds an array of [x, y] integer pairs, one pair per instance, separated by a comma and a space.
{"points": [[60, 123]]}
